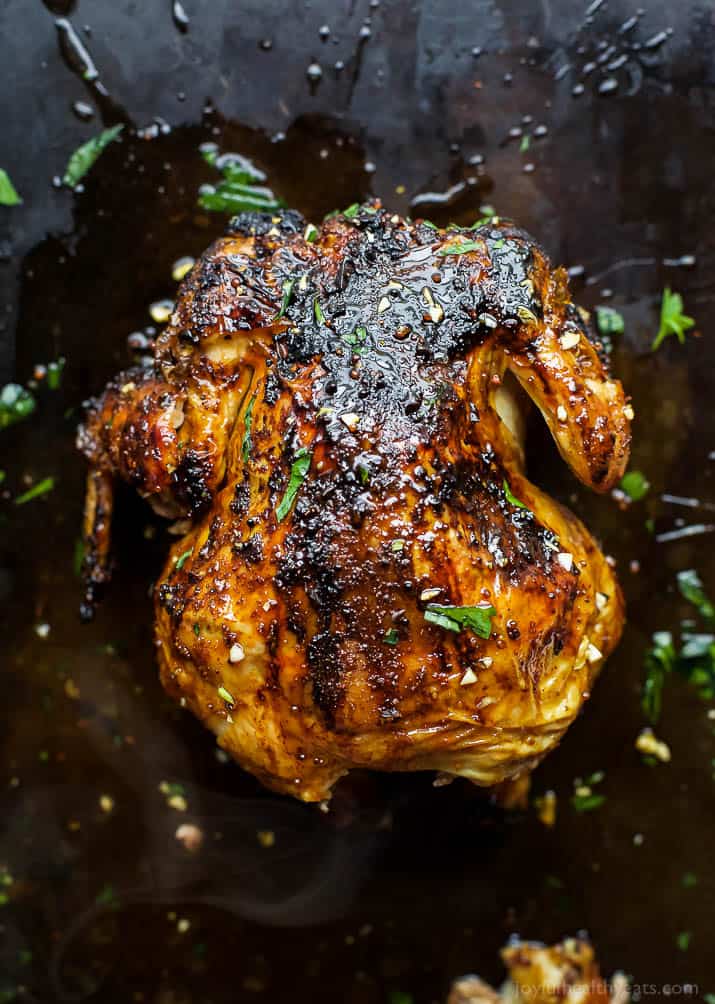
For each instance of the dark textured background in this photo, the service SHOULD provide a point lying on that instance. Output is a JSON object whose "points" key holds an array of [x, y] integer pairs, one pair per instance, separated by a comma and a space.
{"points": [[402, 886]]}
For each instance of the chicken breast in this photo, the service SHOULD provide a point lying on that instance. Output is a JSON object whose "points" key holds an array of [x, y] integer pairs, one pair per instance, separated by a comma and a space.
{"points": [[368, 578]]}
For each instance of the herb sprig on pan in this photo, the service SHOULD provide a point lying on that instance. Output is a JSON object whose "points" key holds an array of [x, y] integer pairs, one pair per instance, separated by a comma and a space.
{"points": [[241, 190], [86, 155], [672, 319], [693, 659]]}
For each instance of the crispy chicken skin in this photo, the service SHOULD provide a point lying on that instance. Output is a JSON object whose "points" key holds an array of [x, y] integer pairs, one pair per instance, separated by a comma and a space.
{"points": [[332, 413], [566, 973]]}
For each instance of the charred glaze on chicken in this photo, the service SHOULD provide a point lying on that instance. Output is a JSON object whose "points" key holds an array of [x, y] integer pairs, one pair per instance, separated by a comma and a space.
{"points": [[332, 414]]}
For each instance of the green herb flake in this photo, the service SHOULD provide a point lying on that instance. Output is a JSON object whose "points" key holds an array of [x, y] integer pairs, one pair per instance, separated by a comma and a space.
{"points": [[691, 588], [78, 557], [587, 803], [41, 488], [310, 235], [683, 940], [356, 339], [364, 474], [82, 159], [241, 189], [351, 212], [16, 404], [609, 321], [54, 373], [391, 637], [197, 629], [498, 245], [477, 619], [107, 897], [512, 498], [430, 224], [226, 696], [525, 143], [287, 293], [689, 880], [461, 247], [659, 661], [247, 424], [182, 559], [318, 312], [672, 319], [298, 472], [635, 485], [8, 193]]}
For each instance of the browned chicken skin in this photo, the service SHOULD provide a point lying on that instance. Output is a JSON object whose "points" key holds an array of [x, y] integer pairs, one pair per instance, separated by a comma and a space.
{"points": [[566, 973], [330, 411]]}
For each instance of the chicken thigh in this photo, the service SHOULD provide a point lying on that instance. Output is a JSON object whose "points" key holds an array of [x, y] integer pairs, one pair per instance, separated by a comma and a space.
{"points": [[367, 578]]}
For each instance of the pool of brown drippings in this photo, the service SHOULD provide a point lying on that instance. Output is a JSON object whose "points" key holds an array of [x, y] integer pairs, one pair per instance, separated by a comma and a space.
{"points": [[403, 886]]}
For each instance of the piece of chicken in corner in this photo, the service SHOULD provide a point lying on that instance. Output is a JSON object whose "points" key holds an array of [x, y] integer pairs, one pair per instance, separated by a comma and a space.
{"points": [[566, 973], [368, 579]]}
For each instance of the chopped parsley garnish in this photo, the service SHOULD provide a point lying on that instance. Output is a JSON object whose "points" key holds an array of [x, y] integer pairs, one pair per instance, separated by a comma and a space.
{"points": [[83, 158], [659, 661], [584, 798], [397, 545], [430, 224], [635, 485], [364, 474], [107, 897], [181, 560], [241, 189], [287, 293], [461, 247], [691, 589], [197, 629], [609, 321], [477, 619], [499, 244], [683, 940], [511, 497], [525, 143], [41, 488], [587, 803], [298, 472], [54, 373], [351, 212], [694, 659], [8, 193], [318, 312], [356, 339], [672, 319], [391, 637], [247, 423], [16, 403], [310, 234]]}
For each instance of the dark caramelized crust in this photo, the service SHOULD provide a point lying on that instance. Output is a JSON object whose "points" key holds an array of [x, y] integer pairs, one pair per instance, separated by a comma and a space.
{"points": [[335, 417]]}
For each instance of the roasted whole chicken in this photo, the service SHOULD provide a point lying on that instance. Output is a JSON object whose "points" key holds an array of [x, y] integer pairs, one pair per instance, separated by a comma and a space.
{"points": [[366, 577]]}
